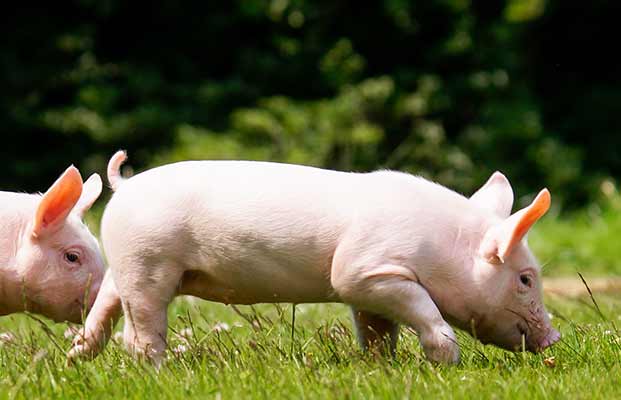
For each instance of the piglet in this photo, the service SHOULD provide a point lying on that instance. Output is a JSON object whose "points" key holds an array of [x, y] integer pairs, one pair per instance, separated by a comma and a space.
{"points": [[49, 261], [396, 248]]}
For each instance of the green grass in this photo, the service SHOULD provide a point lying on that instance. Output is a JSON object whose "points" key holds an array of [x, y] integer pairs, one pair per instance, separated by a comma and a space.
{"points": [[259, 360], [586, 241]]}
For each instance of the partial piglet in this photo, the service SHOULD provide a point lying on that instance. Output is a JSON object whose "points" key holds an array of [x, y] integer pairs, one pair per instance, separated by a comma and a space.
{"points": [[50, 263]]}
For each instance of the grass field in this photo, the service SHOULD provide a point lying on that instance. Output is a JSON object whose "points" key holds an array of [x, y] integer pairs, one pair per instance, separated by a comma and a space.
{"points": [[217, 353]]}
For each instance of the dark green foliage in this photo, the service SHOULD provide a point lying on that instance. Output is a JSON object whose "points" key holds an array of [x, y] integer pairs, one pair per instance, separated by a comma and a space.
{"points": [[449, 89]]}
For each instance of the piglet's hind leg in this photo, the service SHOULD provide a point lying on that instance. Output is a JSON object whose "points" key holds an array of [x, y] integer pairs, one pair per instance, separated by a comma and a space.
{"points": [[145, 303], [145, 328]]}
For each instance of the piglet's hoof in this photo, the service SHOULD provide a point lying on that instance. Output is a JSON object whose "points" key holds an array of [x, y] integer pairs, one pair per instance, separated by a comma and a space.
{"points": [[82, 348], [441, 346]]}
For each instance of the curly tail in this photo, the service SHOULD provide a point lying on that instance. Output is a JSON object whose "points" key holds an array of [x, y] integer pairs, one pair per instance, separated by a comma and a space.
{"points": [[114, 169]]}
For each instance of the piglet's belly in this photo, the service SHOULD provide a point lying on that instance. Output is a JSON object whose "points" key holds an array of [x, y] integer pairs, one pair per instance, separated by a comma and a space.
{"points": [[255, 288]]}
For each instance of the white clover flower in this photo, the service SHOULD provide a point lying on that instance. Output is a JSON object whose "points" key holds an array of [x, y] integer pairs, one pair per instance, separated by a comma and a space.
{"points": [[185, 333], [221, 326], [6, 337], [181, 348]]}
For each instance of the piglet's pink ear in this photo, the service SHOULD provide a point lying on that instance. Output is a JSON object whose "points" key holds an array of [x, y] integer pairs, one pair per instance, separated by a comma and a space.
{"points": [[500, 240], [496, 195], [90, 192], [57, 202]]}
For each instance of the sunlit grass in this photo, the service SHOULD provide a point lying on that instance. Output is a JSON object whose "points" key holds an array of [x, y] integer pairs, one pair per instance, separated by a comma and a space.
{"points": [[216, 353]]}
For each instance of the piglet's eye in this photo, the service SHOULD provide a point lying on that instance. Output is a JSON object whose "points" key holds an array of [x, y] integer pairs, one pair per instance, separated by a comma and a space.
{"points": [[526, 281], [72, 257]]}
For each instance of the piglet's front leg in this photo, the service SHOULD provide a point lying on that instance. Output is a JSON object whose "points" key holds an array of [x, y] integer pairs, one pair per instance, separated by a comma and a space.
{"points": [[102, 318], [390, 292]]}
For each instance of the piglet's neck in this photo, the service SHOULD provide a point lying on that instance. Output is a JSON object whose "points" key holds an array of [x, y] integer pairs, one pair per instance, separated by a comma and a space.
{"points": [[10, 291], [453, 281], [16, 211]]}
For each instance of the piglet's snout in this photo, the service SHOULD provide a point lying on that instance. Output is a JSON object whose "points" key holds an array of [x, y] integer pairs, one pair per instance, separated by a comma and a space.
{"points": [[552, 337]]}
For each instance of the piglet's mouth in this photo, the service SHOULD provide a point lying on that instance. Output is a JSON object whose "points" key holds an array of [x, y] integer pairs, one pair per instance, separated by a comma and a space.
{"points": [[524, 336], [523, 331], [85, 305], [537, 345]]}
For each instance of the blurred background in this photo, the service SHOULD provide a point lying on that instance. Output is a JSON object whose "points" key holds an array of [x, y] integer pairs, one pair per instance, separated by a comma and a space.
{"points": [[449, 89]]}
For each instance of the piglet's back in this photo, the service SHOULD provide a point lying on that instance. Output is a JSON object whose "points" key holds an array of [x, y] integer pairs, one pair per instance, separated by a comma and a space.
{"points": [[260, 199], [192, 188]]}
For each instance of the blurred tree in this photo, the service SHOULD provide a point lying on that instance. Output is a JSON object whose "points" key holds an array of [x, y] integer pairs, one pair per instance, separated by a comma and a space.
{"points": [[450, 89]]}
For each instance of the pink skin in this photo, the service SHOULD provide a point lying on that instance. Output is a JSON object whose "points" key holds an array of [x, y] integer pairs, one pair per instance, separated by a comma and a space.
{"points": [[49, 262], [395, 247]]}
